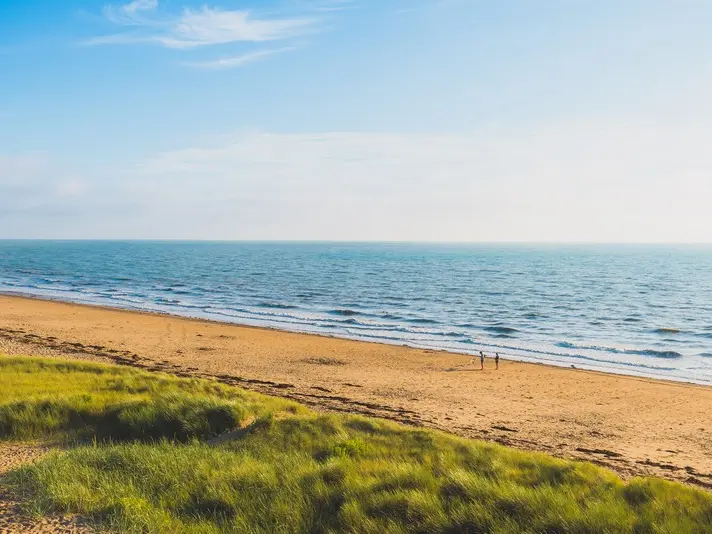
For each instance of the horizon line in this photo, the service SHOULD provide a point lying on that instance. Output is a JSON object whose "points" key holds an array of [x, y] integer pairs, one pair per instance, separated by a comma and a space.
{"points": [[351, 241]]}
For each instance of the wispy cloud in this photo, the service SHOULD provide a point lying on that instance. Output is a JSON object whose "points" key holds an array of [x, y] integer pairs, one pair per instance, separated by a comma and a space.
{"points": [[205, 27], [131, 13], [151, 23], [211, 26], [236, 61], [214, 26], [140, 5]]}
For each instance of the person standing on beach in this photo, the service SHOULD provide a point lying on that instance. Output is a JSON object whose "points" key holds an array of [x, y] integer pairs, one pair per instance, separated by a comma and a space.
{"points": [[496, 360], [482, 361]]}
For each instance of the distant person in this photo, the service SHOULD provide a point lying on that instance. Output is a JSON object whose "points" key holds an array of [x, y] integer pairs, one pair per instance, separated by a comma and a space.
{"points": [[496, 360], [482, 361]]}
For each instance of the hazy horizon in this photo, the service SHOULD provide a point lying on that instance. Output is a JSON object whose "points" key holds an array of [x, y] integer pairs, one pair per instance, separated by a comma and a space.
{"points": [[357, 121], [362, 242]]}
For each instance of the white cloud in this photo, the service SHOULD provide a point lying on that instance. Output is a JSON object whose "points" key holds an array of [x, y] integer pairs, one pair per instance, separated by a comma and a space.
{"points": [[140, 5], [131, 13], [206, 26], [214, 26], [565, 182]]}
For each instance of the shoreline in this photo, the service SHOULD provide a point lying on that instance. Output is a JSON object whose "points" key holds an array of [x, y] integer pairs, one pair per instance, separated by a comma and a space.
{"points": [[520, 359], [633, 425]]}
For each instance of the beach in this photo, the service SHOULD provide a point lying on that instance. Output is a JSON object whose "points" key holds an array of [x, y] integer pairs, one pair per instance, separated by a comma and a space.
{"points": [[635, 426]]}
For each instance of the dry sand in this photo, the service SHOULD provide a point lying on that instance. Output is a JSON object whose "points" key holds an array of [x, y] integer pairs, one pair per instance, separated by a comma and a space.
{"points": [[632, 425]]}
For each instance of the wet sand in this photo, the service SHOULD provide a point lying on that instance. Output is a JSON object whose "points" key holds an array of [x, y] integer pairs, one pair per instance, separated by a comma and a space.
{"points": [[635, 426]]}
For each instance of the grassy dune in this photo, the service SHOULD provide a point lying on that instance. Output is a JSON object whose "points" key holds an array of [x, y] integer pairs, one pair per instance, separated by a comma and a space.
{"points": [[143, 458], [58, 400]]}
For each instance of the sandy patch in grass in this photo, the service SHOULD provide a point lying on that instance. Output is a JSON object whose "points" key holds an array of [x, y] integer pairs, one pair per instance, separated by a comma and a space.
{"points": [[12, 518]]}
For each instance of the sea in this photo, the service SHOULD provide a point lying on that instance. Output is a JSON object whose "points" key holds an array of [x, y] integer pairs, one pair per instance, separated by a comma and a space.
{"points": [[630, 309]]}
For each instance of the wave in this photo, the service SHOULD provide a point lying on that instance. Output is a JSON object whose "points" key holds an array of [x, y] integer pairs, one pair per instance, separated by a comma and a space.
{"points": [[391, 317], [666, 331], [667, 354], [422, 321], [307, 295], [278, 306], [706, 354], [163, 300], [505, 330], [178, 304], [361, 324], [127, 298], [344, 312], [177, 291], [51, 288], [121, 279], [454, 334], [47, 280]]}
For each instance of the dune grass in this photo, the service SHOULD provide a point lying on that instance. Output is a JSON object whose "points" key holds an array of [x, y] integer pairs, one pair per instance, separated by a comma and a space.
{"points": [[286, 469], [59, 400]]}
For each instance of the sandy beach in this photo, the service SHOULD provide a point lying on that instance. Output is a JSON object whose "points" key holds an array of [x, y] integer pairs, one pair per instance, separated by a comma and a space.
{"points": [[632, 425]]}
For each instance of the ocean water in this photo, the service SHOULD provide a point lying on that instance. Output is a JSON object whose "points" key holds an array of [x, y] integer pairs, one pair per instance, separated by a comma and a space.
{"points": [[641, 310]]}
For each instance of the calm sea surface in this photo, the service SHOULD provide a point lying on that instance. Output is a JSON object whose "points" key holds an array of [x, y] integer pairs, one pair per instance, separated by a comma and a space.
{"points": [[635, 310]]}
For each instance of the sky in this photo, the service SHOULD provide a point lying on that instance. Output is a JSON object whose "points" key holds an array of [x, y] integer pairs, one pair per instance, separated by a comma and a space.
{"points": [[386, 120]]}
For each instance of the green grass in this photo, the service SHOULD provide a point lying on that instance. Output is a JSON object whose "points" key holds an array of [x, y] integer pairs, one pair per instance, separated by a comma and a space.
{"points": [[54, 399], [287, 469]]}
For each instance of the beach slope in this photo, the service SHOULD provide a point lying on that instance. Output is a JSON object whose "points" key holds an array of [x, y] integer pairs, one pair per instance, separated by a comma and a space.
{"points": [[632, 425]]}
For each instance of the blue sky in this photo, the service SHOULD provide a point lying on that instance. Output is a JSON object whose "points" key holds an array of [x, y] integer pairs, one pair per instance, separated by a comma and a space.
{"points": [[437, 120]]}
